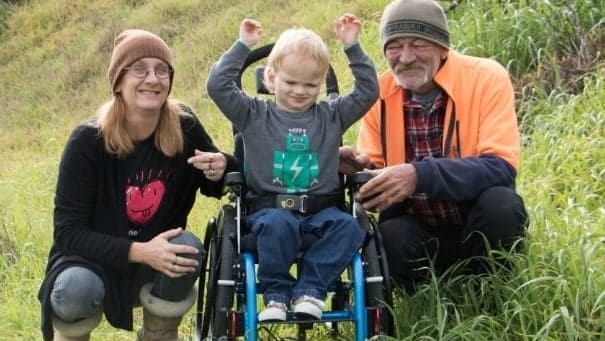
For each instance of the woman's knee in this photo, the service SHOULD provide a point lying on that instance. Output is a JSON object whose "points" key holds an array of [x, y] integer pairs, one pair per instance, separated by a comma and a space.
{"points": [[77, 293], [177, 289], [189, 238]]}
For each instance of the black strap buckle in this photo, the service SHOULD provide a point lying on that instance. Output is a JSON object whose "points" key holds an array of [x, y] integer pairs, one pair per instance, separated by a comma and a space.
{"points": [[298, 203]]}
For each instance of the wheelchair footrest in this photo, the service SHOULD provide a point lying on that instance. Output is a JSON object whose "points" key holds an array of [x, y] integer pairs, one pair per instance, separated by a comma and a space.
{"points": [[327, 316], [292, 318], [374, 316]]}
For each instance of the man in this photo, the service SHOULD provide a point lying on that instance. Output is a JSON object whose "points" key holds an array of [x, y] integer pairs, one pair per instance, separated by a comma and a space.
{"points": [[442, 145]]}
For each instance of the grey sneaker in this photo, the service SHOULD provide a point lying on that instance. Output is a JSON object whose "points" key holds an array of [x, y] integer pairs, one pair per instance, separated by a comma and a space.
{"points": [[274, 311], [308, 306]]}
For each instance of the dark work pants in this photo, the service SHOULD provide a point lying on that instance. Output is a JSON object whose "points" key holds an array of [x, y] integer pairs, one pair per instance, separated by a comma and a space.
{"points": [[497, 216]]}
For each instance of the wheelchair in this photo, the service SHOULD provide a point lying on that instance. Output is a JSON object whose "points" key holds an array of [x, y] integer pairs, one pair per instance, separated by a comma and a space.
{"points": [[227, 291]]}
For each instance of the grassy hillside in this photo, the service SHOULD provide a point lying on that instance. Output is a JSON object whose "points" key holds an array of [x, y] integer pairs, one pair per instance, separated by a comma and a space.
{"points": [[53, 61]]}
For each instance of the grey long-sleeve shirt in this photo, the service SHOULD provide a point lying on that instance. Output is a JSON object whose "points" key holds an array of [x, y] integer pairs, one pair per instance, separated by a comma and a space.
{"points": [[289, 152]]}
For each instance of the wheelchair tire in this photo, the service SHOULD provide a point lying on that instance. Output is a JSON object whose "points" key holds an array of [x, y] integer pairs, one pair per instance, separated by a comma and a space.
{"points": [[201, 320], [378, 293], [219, 298], [208, 321]]}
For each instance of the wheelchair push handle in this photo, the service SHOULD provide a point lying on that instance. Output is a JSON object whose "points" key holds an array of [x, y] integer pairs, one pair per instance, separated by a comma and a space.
{"points": [[360, 178], [356, 180]]}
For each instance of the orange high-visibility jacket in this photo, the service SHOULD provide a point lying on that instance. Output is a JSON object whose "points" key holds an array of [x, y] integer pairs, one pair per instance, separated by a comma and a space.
{"points": [[480, 124]]}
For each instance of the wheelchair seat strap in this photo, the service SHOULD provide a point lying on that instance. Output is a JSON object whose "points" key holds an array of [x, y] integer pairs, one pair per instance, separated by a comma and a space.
{"points": [[305, 204]]}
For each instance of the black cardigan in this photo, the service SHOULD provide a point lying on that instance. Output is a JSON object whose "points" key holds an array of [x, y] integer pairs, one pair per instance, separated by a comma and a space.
{"points": [[90, 217]]}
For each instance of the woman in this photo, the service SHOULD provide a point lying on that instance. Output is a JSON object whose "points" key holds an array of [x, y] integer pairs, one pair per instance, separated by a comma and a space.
{"points": [[127, 181]]}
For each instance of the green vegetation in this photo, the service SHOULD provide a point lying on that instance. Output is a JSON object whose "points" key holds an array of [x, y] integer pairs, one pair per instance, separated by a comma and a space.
{"points": [[53, 61]]}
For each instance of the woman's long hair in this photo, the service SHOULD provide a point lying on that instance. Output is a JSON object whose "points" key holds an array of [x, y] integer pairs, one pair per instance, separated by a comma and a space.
{"points": [[111, 122]]}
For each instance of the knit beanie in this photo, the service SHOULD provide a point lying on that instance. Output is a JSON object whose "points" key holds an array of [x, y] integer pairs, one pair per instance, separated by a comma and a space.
{"points": [[414, 18], [132, 45]]}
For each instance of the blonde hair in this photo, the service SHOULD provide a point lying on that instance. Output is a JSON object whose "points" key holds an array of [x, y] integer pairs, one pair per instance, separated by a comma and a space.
{"points": [[302, 42], [110, 121]]}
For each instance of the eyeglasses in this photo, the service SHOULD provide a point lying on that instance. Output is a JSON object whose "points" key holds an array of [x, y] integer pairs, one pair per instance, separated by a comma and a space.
{"points": [[161, 71]]}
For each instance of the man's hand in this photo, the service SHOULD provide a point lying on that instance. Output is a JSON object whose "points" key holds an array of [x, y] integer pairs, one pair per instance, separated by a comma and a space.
{"points": [[388, 186], [351, 161]]}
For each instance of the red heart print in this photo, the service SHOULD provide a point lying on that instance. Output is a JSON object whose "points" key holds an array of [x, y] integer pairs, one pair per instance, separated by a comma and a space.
{"points": [[141, 205]]}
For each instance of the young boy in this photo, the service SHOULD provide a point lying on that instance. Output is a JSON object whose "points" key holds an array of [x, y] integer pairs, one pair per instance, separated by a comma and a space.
{"points": [[291, 165]]}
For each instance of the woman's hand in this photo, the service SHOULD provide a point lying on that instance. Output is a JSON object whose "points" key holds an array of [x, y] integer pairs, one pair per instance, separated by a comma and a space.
{"points": [[212, 164], [162, 255]]}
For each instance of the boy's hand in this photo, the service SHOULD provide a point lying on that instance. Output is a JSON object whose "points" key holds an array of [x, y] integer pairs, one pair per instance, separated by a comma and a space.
{"points": [[347, 28], [250, 32]]}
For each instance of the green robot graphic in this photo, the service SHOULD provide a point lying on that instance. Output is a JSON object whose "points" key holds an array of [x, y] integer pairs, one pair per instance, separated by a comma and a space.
{"points": [[296, 168]]}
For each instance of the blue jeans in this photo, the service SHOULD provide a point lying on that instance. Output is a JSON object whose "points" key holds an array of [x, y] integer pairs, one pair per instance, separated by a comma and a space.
{"points": [[78, 292], [279, 235]]}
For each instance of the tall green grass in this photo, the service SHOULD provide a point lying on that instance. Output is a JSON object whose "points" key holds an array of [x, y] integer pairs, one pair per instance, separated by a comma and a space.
{"points": [[53, 59], [557, 289]]}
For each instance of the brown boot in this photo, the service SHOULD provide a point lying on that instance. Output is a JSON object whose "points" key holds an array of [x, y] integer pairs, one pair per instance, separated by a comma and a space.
{"points": [[74, 331], [161, 318]]}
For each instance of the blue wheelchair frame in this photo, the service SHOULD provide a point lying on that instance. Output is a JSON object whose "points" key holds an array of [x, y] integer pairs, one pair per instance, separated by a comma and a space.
{"points": [[358, 315], [234, 276]]}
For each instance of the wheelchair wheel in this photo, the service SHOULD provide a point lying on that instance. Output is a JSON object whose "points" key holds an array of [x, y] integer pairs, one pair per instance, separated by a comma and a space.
{"points": [[201, 322], [219, 297], [378, 288]]}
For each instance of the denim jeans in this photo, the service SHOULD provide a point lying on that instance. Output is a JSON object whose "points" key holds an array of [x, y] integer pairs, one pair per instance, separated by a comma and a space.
{"points": [[279, 235], [78, 292]]}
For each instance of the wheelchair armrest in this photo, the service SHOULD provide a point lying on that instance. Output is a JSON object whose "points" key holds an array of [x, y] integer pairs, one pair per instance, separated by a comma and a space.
{"points": [[233, 179]]}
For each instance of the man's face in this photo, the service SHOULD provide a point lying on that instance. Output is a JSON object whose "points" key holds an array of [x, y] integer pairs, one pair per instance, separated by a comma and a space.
{"points": [[414, 62]]}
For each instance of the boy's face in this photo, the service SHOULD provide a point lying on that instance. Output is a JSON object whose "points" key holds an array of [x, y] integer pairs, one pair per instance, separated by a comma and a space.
{"points": [[297, 83]]}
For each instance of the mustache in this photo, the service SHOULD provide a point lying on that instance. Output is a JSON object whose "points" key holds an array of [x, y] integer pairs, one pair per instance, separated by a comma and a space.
{"points": [[410, 67]]}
